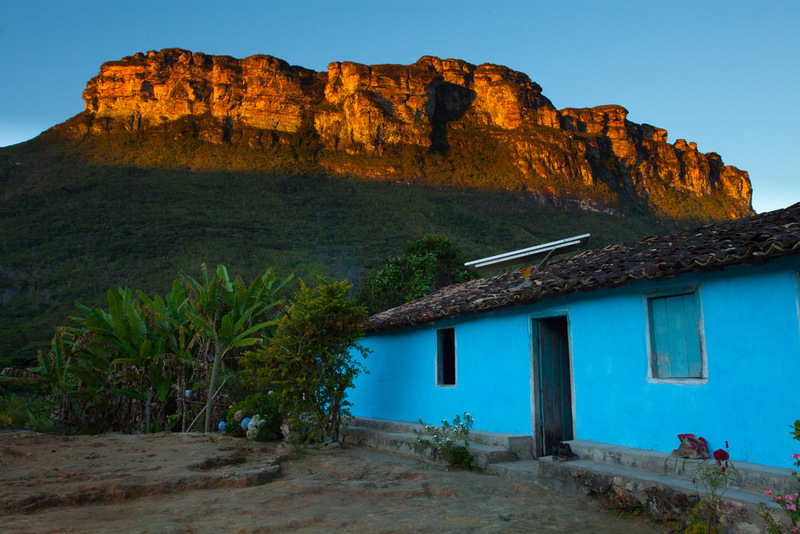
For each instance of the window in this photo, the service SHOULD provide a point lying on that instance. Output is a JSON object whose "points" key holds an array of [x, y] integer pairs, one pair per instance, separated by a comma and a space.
{"points": [[676, 345], [446, 357]]}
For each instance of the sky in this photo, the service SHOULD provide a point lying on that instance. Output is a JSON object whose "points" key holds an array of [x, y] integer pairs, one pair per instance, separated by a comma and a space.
{"points": [[722, 73]]}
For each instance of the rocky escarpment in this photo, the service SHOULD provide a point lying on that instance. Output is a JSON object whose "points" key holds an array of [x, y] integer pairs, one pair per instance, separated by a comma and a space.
{"points": [[440, 121]]}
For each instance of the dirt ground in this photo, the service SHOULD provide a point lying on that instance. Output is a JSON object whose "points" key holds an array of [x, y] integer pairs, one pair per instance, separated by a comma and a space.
{"points": [[183, 483]]}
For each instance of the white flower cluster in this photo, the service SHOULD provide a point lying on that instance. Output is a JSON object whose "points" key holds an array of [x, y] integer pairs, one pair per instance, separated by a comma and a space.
{"points": [[254, 426]]}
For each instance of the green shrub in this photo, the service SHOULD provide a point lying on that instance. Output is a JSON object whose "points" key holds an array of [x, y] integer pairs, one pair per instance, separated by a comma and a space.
{"points": [[449, 442], [263, 404], [312, 360], [20, 411]]}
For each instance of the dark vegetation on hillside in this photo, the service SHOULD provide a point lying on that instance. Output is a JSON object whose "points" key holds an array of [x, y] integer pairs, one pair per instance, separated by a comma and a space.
{"points": [[80, 218], [469, 157]]}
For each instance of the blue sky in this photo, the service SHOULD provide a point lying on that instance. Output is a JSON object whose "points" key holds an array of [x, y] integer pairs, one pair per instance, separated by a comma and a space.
{"points": [[724, 74]]}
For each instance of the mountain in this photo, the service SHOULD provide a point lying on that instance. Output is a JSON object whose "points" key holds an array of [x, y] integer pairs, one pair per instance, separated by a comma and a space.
{"points": [[181, 159], [436, 122]]}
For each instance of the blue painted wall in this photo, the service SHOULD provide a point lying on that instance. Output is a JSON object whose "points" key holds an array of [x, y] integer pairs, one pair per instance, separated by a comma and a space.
{"points": [[750, 397]]}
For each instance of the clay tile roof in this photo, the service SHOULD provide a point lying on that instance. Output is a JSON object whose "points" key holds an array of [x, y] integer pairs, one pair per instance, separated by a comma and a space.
{"points": [[751, 240]]}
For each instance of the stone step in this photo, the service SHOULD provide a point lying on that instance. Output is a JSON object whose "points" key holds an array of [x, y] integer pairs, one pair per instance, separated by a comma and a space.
{"points": [[521, 444], [527, 470], [486, 447], [749, 477]]}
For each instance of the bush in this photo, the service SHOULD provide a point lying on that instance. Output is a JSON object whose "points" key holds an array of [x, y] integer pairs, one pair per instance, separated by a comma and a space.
{"points": [[449, 442], [20, 411], [311, 361], [264, 405]]}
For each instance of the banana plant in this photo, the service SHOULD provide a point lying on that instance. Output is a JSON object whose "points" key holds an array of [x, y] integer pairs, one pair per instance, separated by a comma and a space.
{"points": [[141, 336], [169, 326], [77, 380], [226, 315], [146, 341], [53, 367]]}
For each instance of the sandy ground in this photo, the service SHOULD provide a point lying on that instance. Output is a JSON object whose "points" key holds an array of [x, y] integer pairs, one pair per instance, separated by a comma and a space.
{"points": [[182, 483]]}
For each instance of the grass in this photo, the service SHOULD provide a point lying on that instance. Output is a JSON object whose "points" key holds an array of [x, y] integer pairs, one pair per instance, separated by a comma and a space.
{"points": [[21, 410]]}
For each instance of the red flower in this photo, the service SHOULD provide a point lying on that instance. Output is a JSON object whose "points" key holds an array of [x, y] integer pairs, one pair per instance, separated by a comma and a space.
{"points": [[720, 455]]}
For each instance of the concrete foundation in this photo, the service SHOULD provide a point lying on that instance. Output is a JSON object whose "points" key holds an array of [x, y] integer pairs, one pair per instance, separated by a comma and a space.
{"points": [[661, 485]]}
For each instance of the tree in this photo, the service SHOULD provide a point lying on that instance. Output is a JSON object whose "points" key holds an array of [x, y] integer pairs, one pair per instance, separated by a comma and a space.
{"points": [[311, 360], [427, 264], [228, 315]]}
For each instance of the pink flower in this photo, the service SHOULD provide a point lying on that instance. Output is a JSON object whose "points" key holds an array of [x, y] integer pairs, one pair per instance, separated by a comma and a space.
{"points": [[768, 492], [795, 529], [790, 497], [796, 456], [791, 507]]}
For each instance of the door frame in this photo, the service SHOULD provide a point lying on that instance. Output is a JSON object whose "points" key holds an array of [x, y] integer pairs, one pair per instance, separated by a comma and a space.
{"points": [[536, 414]]}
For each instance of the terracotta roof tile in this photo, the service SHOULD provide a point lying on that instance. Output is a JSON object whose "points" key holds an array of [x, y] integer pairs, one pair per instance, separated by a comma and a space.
{"points": [[755, 239]]}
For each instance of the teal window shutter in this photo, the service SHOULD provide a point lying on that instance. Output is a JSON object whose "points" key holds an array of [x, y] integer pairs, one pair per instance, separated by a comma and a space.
{"points": [[675, 344]]}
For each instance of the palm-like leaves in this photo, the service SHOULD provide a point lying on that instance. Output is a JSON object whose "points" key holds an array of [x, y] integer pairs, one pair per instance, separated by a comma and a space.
{"points": [[226, 315], [136, 346]]}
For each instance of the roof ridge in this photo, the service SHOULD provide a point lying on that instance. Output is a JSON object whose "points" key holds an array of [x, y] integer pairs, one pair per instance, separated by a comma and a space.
{"points": [[754, 239]]}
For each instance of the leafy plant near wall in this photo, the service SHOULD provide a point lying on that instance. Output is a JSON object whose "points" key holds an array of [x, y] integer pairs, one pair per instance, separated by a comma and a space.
{"points": [[714, 477], [263, 404], [449, 442]]}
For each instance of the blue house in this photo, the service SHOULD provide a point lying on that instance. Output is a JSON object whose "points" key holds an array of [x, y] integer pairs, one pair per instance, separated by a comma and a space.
{"points": [[632, 344]]}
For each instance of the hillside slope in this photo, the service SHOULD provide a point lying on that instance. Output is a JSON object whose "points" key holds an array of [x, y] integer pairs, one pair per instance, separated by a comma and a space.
{"points": [[71, 229]]}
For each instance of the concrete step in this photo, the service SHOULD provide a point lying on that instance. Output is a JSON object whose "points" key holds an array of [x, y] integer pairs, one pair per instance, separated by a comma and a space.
{"points": [[745, 476], [557, 475], [526, 470], [398, 436]]}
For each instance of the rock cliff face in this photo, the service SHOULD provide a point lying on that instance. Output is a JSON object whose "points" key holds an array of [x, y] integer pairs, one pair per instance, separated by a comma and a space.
{"points": [[260, 91], [409, 115]]}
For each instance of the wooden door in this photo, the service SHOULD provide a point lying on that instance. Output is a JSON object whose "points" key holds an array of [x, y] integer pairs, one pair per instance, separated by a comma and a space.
{"points": [[554, 410]]}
